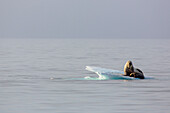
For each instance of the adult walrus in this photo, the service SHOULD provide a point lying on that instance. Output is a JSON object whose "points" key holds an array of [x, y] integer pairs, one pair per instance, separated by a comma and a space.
{"points": [[129, 70]]}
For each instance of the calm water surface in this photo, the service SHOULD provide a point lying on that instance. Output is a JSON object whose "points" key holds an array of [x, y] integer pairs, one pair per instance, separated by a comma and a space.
{"points": [[36, 76]]}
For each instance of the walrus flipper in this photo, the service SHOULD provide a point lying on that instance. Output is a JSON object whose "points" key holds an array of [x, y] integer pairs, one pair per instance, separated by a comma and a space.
{"points": [[137, 75]]}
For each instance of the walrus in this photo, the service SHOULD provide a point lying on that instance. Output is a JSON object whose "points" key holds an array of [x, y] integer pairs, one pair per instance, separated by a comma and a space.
{"points": [[129, 70]]}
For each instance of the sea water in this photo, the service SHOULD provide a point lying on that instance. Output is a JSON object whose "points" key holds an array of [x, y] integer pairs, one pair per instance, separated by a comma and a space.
{"points": [[46, 76]]}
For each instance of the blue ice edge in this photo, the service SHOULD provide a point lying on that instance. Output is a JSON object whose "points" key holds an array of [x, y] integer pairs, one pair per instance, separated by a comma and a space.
{"points": [[108, 78]]}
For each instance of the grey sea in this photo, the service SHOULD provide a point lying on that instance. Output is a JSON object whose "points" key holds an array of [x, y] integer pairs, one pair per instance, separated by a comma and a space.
{"points": [[44, 76]]}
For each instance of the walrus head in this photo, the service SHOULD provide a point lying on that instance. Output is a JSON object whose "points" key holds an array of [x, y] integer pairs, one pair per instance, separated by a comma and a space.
{"points": [[129, 64], [128, 68]]}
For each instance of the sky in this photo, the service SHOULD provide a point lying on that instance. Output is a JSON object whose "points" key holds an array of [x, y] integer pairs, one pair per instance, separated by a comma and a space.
{"points": [[84, 18]]}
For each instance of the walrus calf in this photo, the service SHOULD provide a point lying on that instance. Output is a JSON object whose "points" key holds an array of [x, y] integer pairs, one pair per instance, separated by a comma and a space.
{"points": [[129, 70]]}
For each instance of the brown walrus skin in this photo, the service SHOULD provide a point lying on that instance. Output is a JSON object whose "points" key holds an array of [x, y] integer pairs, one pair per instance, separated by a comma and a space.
{"points": [[129, 70]]}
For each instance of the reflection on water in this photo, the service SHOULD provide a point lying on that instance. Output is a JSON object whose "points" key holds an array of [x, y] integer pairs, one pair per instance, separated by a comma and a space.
{"points": [[36, 76]]}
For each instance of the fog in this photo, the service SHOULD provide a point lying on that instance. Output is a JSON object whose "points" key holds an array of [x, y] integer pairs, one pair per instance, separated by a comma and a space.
{"points": [[84, 19]]}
